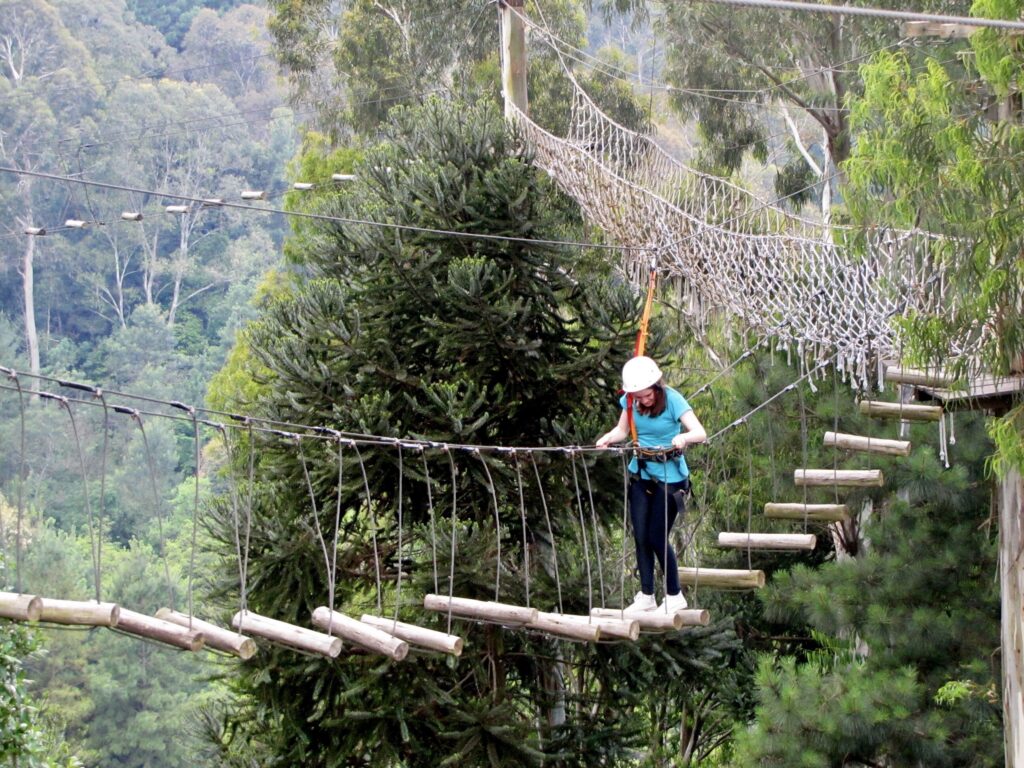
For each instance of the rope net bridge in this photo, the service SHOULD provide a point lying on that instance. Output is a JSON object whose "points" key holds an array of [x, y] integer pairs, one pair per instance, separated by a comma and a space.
{"points": [[830, 291]]}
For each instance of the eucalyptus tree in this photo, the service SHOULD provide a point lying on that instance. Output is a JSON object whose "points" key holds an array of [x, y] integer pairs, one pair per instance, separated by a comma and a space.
{"points": [[47, 80]]}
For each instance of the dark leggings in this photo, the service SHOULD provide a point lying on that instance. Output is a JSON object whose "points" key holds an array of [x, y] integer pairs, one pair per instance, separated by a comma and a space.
{"points": [[648, 507]]}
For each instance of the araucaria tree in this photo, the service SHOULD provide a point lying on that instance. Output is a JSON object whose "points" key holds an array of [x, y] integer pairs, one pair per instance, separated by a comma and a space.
{"points": [[413, 332]]}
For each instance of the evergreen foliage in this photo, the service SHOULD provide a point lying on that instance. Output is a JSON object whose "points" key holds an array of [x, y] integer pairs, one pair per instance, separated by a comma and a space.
{"points": [[465, 340], [914, 612]]}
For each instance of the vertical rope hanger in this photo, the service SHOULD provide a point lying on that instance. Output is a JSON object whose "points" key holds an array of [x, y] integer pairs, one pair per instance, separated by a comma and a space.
{"points": [[497, 525], [551, 532], [398, 559], [137, 418], [373, 527], [454, 523], [433, 529], [22, 466], [191, 411], [63, 402], [593, 520], [522, 517], [583, 532]]}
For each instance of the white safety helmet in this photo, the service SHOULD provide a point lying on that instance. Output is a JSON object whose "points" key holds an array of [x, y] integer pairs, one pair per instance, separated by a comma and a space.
{"points": [[640, 373]]}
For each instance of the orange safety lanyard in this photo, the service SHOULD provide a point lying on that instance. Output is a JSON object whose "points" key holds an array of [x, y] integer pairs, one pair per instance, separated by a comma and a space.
{"points": [[641, 344]]}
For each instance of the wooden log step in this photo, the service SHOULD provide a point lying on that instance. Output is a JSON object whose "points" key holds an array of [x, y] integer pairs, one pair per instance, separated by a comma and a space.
{"points": [[899, 375], [20, 607], [903, 411], [556, 624], [847, 478], [419, 636], [158, 629], [358, 633], [767, 541], [818, 513], [85, 613], [721, 578], [481, 610], [867, 444], [659, 620], [649, 621], [287, 634], [618, 626], [217, 637]]}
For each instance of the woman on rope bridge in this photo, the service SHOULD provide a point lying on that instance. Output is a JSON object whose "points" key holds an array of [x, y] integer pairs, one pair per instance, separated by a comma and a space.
{"points": [[659, 477]]}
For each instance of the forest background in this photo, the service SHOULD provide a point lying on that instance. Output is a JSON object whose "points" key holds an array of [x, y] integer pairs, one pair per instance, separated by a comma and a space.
{"points": [[878, 648]]}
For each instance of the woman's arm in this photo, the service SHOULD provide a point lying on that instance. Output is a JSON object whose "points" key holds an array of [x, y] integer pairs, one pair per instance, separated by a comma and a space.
{"points": [[694, 431], [618, 433]]}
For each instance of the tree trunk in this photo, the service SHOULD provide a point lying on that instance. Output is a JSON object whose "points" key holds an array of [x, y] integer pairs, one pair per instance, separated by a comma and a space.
{"points": [[1011, 582], [27, 270]]}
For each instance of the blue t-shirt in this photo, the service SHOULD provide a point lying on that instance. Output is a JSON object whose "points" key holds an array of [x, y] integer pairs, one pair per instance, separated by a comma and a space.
{"points": [[657, 432]]}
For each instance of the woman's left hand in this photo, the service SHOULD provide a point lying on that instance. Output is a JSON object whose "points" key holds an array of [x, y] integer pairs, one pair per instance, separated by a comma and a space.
{"points": [[679, 441]]}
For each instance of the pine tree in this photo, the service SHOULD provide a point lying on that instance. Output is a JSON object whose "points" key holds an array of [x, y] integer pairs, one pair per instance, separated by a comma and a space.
{"points": [[412, 333]]}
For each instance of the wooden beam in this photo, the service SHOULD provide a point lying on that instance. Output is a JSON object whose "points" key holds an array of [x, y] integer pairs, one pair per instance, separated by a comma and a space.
{"points": [[480, 610], [361, 634], [287, 634], [618, 626], [20, 607], [90, 614], [649, 621], [721, 578], [419, 636], [688, 617], [847, 478], [217, 637], [556, 624], [767, 541], [902, 411], [897, 375], [827, 513], [158, 629], [944, 30], [867, 444]]}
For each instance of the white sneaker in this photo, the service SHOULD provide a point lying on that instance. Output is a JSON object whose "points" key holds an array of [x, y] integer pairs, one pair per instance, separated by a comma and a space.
{"points": [[673, 603], [642, 602]]}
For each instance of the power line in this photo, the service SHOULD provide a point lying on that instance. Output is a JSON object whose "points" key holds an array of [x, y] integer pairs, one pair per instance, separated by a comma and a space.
{"points": [[326, 217], [882, 13]]}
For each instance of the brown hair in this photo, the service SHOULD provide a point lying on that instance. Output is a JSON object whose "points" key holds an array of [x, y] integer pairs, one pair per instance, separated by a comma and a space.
{"points": [[660, 400]]}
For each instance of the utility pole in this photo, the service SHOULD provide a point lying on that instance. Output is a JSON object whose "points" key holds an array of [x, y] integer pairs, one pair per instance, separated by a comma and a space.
{"points": [[513, 56]]}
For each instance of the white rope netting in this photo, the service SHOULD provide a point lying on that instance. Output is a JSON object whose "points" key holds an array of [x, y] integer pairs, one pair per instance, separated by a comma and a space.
{"points": [[781, 275]]}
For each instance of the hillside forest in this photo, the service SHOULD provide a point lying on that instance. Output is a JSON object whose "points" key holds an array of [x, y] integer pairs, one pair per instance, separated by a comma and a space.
{"points": [[291, 317]]}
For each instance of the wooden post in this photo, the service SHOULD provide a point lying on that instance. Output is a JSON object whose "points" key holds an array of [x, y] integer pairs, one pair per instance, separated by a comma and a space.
{"points": [[721, 578], [767, 541], [419, 636], [287, 634], [20, 607], [818, 513], [90, 614], [159, 629], [1011, 582], [904, 411], [513, 56], [867, 444], [360, 634], [218, 638], [849, 478], [480, 610]]}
